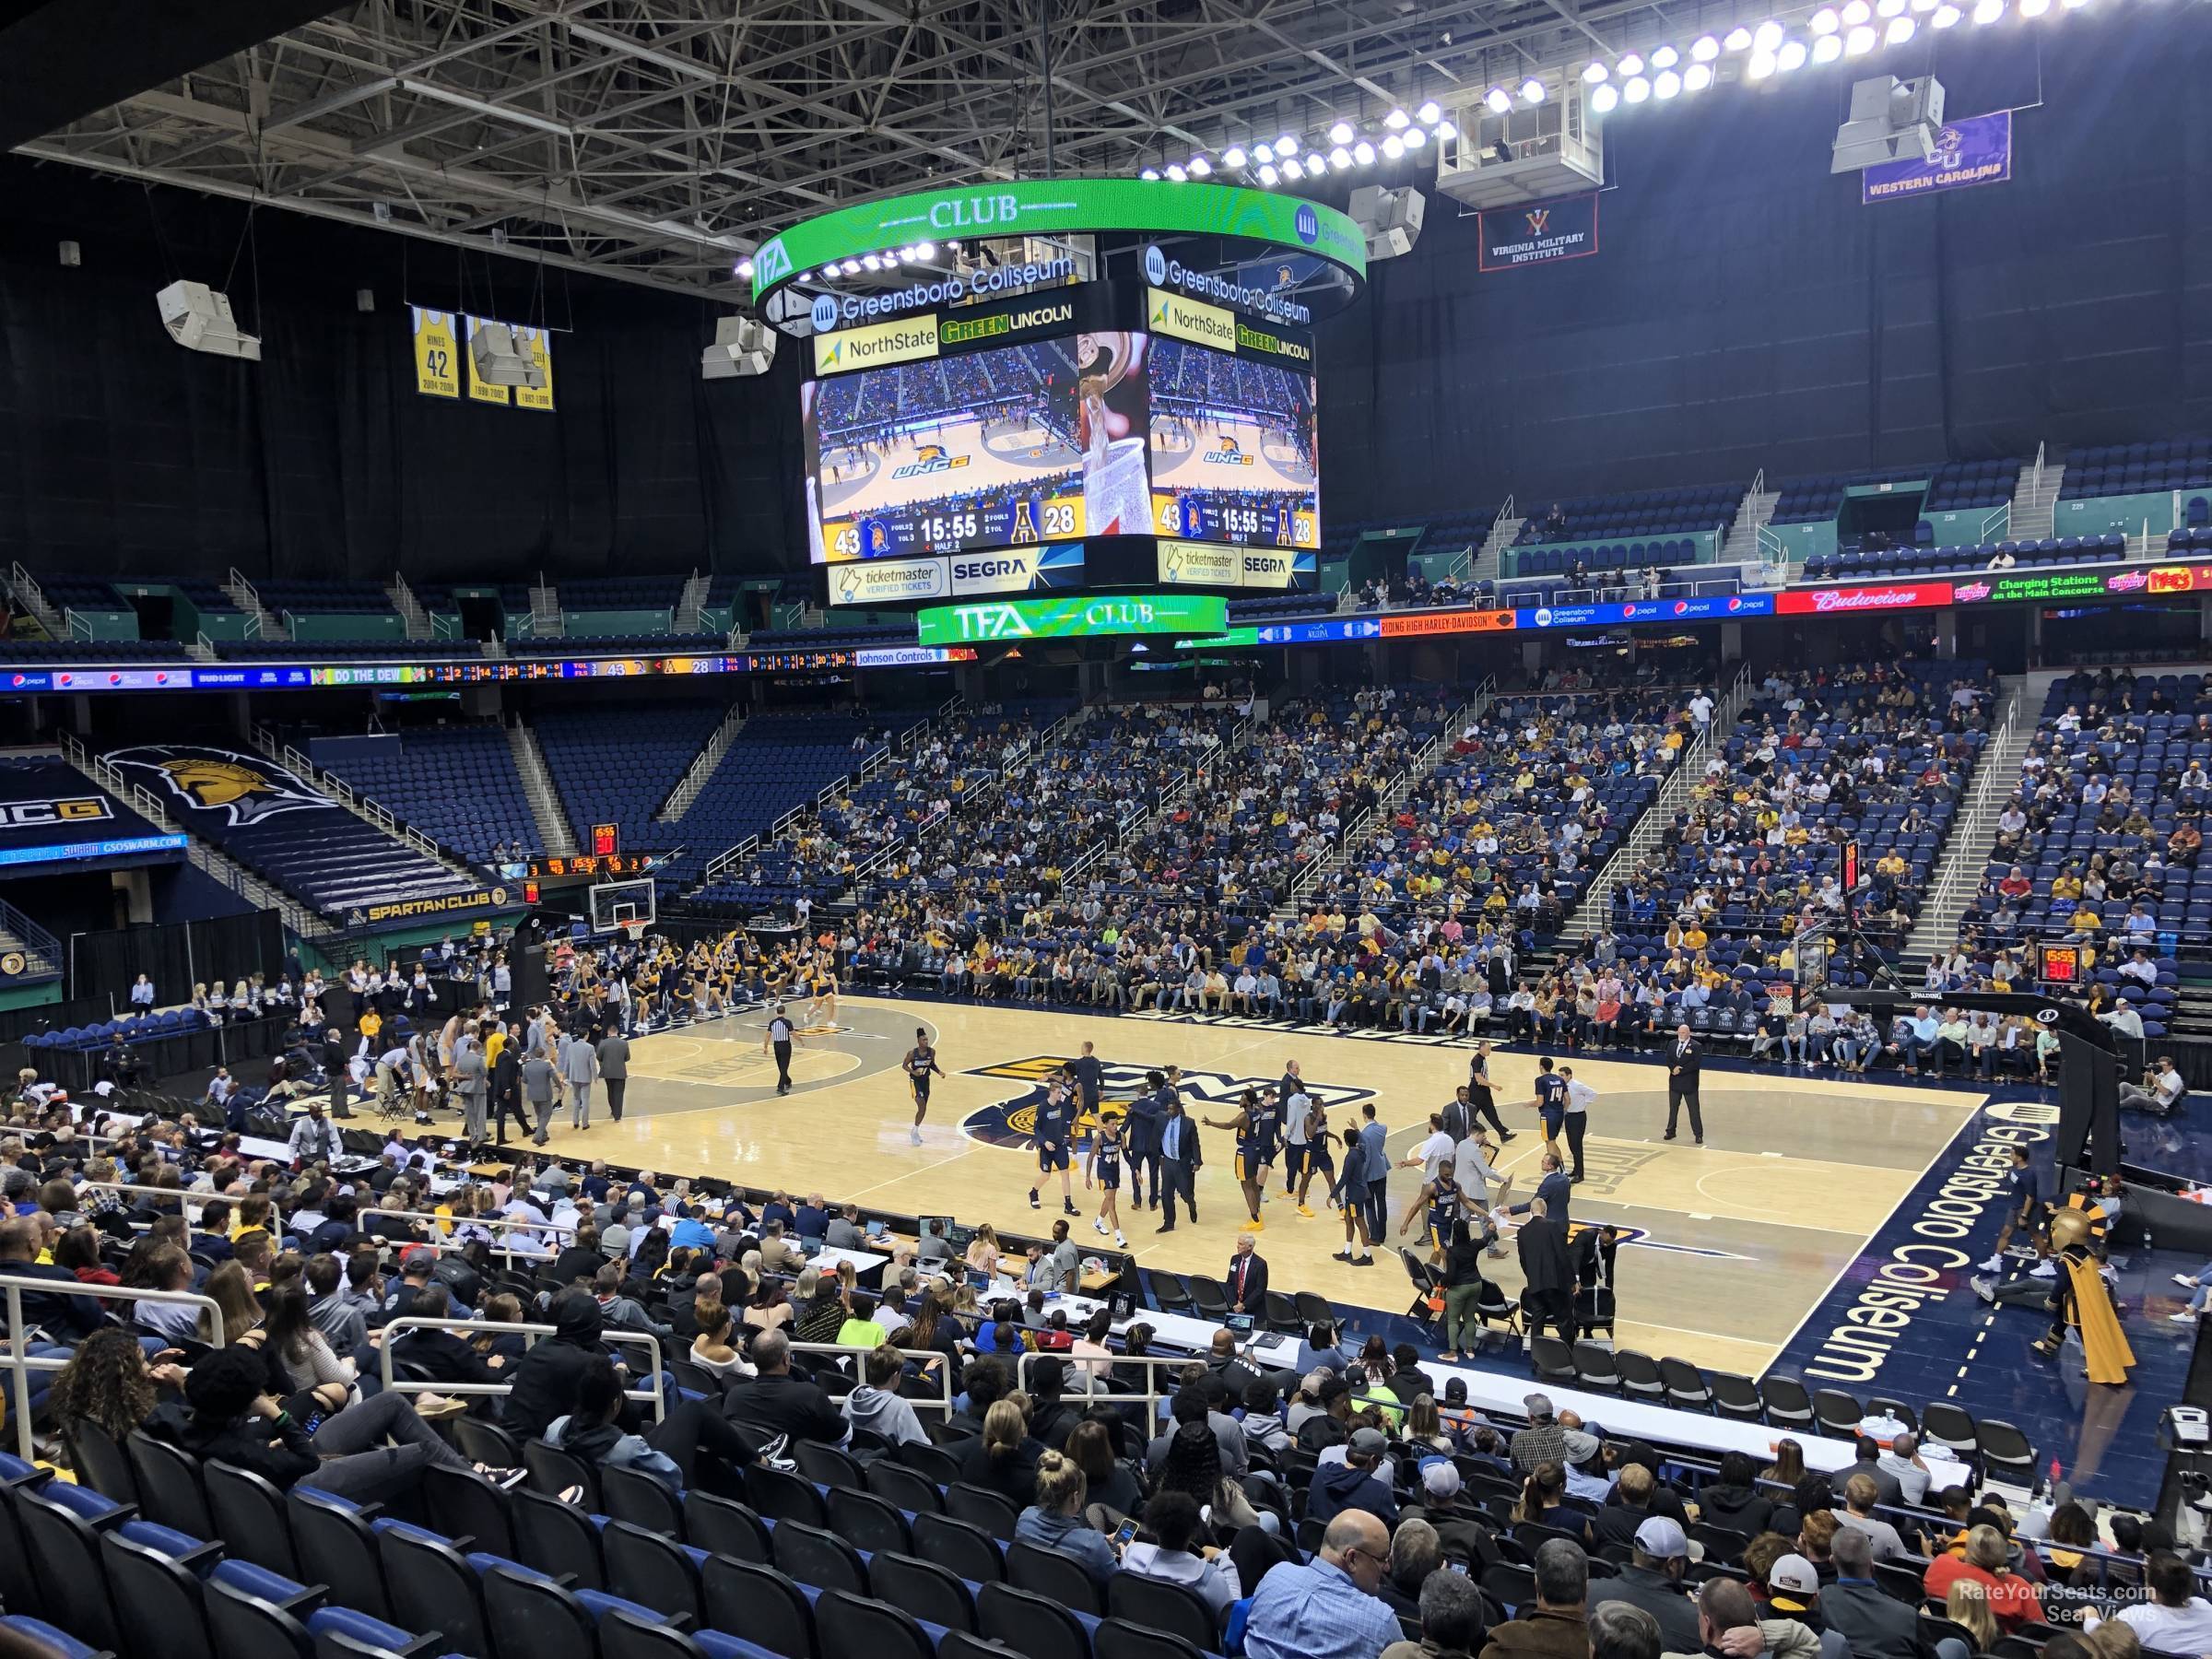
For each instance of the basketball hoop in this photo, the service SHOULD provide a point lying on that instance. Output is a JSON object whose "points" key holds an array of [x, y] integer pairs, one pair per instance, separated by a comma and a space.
{"points": [[632, 931]]}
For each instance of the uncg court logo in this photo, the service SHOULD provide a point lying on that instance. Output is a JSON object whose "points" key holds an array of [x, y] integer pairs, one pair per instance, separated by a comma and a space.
{"points": [[1013, 1121], [824, 313], [1308, 225], [929, 458], [1228, 452], [212, 780], [1156, 265]]}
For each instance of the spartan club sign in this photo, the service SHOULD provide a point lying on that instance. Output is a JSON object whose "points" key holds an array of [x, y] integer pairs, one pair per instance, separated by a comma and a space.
{"points": [[1539, 233]]}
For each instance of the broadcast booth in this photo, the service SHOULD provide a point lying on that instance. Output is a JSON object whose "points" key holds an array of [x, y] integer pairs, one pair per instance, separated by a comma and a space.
{"points": [[1099, 424]]}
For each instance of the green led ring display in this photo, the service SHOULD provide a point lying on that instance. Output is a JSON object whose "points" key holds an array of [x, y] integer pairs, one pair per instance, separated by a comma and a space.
{"points": [[1061, 208]]}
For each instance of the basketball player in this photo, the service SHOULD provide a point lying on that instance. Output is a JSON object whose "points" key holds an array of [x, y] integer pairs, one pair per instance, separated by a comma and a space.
{"points": [[1550, 1103], [920, 1063], [1055, 1136], [1254, 1125], [1104, 1166], [1319, 1158], [778, 1040]]}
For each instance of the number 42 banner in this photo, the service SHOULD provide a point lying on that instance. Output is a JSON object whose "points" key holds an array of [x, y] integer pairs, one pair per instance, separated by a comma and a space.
{"points": [[441, 346]]}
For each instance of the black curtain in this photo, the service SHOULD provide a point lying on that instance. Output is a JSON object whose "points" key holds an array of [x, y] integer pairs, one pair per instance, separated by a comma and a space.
{"points": [[177, 955], [120, 453]]}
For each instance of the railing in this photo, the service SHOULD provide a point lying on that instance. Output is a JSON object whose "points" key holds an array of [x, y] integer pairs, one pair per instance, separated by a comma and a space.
{"points": [[656, 1373], [247, 885], [1595, 912], [25, 587], [260, 620], [944, 1372], [21, 1361], [360, 805], [444, 1227], [38, 944], [691, 603], [719, 744], [1152, 1396], [1997, 524], [1972, 828], [80, 626]]}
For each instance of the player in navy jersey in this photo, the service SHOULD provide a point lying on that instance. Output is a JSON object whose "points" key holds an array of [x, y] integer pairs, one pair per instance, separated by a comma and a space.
{"points": [[1550, 1102], [921, 1062], [1105, 1168], [1055, 1139], [1255, 1125]]}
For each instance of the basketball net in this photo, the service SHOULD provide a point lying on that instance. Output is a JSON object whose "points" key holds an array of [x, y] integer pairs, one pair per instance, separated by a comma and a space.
{"points": [[632, 931]]}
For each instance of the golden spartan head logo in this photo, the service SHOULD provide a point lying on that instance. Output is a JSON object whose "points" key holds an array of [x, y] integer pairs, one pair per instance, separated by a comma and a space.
{"points": [[1537, 219], [1229, 445], [244, 790], [929, 452]]}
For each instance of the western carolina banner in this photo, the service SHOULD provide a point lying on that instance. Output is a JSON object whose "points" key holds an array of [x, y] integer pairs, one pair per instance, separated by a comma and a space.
{"points": [[1514, 236], [1976, 150]]}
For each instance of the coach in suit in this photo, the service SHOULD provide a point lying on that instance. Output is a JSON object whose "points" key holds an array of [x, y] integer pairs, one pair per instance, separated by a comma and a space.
{"points": [[1179, 1162], [469, 1083], [1553, 1191], [614, 1069], [1548, 1296], [1140, 1137], [1682, 1062], [1247, 1279], [507, 1090]]}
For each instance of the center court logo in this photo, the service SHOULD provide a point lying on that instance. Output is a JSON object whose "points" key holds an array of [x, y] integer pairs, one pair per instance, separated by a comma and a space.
{"points": [[1013, 1121], [1307, 224], [929, 458], [824, 313], [1228, 452], [1156, 265]]}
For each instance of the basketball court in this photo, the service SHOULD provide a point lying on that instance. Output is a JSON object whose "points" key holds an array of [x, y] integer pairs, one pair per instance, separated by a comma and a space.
{"points": [[1227, 455], [957, 457], [1730, 1247]]}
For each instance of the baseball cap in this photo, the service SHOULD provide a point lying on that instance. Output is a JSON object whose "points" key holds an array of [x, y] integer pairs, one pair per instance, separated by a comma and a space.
{"points": [[1368, 1442], [1662, 1539], [1455, 1390], [1794, 1573], [1536, 1404], [1582, 1446], [1440, 1478]]}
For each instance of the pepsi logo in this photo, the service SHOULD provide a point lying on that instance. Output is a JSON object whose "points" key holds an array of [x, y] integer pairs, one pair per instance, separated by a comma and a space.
{"points": [[1736, 603], [65, 679], [1681, 607]]}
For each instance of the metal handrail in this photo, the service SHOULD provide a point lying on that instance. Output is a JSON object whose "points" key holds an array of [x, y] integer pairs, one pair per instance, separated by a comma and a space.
{"points": [[1970, 829], [196, 1201], [1151, 1394], [657, 1373], [21, 1361], [945, 1373]]}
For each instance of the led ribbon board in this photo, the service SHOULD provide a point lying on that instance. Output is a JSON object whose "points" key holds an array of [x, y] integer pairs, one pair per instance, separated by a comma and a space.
{"points": [[1014, 620], [1061, 208]]}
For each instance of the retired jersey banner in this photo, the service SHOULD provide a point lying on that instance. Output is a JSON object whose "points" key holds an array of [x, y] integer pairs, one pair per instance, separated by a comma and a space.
{"points": [[1976, 149], [437, 352], [1539, 234]]}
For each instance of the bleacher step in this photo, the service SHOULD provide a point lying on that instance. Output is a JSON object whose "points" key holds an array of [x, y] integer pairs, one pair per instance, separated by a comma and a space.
{"points": [[554, 833]]}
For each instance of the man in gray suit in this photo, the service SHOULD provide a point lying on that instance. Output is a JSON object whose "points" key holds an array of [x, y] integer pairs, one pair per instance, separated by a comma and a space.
{"points": [[579, 1068], [469, 1083], [614, 1069], [537, 1090]]}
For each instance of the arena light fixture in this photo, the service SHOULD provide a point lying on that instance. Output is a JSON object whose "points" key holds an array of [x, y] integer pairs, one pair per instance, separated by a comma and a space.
{"points": [[1364, 153], [1791, 57], [1269, 176], [1604, 99], [1428, 113], [1340, 157], [1636, 89], [1988, 11], [1856, 14], [1665, 57], [1317, 165], [1762, 65], [1901, 29], [1286, 146], [1704, 49], [1531, 90], [1396, 121], [1630, 64], [1151, 175], [1666, 84], [1175, 172], [868, 262], [1340, 132], [1596, 74], [852, 267], [1500, 100], [745, 270], [1859, 41], [1824, 21], [1201, 168], [1393, 146], [1736, 40], [1696, 78], [1233, 155], [2034, 9], [1828, 49], [1415, 138], [1292, 170], [927, 250], [1889, 8], [1769, 37], [1444, 127], [1946, 17]]}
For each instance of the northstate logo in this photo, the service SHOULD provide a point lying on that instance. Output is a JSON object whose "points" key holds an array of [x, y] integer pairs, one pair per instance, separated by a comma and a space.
{"points": [[1013, 1121]]}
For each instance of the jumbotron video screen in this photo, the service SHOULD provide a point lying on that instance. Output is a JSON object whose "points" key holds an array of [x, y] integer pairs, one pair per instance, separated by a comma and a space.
{"points": [[1235, 449], [1018, 444]]}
